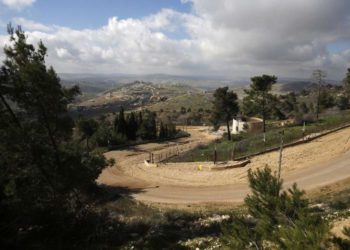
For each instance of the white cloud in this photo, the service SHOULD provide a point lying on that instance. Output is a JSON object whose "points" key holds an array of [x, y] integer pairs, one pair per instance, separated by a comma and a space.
{"points": [[231, 38], [63, 53], [17, 4], [271, 35], [31, 25]]}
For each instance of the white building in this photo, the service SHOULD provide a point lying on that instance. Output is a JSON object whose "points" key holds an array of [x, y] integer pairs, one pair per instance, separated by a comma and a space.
{"points": [[238, 126], [253, 124]]}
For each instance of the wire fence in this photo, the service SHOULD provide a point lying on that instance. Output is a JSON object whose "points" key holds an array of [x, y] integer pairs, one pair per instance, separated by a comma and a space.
{"points": [[239, 149], [171, 152], [259, 143]]}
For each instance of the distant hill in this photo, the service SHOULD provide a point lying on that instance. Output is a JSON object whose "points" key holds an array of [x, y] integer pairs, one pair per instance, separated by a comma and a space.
{"points": [[108, 92], [130, 96], [107, 81], [94, 82], [297, 86]]}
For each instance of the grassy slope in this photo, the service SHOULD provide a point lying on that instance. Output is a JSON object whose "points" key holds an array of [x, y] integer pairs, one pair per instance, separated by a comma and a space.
{"points": [[246, 144], [192, 101]]}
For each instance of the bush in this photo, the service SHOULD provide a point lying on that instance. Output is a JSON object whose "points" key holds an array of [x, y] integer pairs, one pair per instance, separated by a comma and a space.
{"points": [[342, 102], [276, 219], [118, 139], [338, 205]]}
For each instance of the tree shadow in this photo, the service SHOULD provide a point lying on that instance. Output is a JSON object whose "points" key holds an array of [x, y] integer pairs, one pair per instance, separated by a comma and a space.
{"points": [[148, 227], [108, 193]]}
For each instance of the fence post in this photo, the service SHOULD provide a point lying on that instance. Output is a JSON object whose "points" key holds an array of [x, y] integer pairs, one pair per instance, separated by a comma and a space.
{"points": [[233, 152], [280, 158], [264, 139], [215, 155]]}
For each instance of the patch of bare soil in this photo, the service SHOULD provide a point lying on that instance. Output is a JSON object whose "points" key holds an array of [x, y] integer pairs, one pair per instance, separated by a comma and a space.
{"points": [[338, 226]]}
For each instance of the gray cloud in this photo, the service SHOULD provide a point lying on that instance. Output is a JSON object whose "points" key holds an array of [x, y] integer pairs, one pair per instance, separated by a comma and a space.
{"points": [[224, 37]]}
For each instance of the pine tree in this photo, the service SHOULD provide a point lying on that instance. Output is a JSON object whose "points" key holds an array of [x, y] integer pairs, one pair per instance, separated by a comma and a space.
{"points": [[88, 128], [103, 135], [225, 108], [42, 169], [258, 96], [278, 219], [303, 108]]}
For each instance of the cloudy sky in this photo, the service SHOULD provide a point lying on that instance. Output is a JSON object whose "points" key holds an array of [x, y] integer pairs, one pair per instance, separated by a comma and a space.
{"points": [[234, 39]]}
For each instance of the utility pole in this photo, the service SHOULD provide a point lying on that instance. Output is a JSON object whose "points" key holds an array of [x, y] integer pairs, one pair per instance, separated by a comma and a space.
{"points": [[318, 76], [233, 151], [280, 158], [215, 154]]}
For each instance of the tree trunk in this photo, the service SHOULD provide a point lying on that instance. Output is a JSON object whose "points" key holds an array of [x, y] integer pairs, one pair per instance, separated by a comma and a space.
{"points": [[228, 130], [264, 126], [9, 109]]}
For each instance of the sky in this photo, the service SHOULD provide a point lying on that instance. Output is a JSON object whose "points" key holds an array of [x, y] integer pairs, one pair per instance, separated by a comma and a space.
{"points": [[232, 39]]}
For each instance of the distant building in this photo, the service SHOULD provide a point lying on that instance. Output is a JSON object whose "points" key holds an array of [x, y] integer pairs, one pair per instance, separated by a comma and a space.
{"points": [[241, 124], [238, 125]]}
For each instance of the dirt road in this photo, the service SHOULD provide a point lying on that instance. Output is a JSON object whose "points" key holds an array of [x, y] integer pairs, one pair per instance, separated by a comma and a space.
{"points": [[323, 161]]}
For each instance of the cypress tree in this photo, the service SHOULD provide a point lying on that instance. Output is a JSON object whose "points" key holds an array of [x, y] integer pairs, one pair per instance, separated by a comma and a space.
{"points": [[121, 126], [161, 131], [140, 119], [131, 126], [152, 126], [166, 131]]}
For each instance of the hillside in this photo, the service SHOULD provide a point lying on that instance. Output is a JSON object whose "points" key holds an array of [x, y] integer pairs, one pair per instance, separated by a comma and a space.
{"points": [[131, 96], [191, 108], [102, 94]]}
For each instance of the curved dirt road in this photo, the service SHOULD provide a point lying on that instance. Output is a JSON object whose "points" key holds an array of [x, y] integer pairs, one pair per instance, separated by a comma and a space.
{"points": [[316, 170], [309, 178]]}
